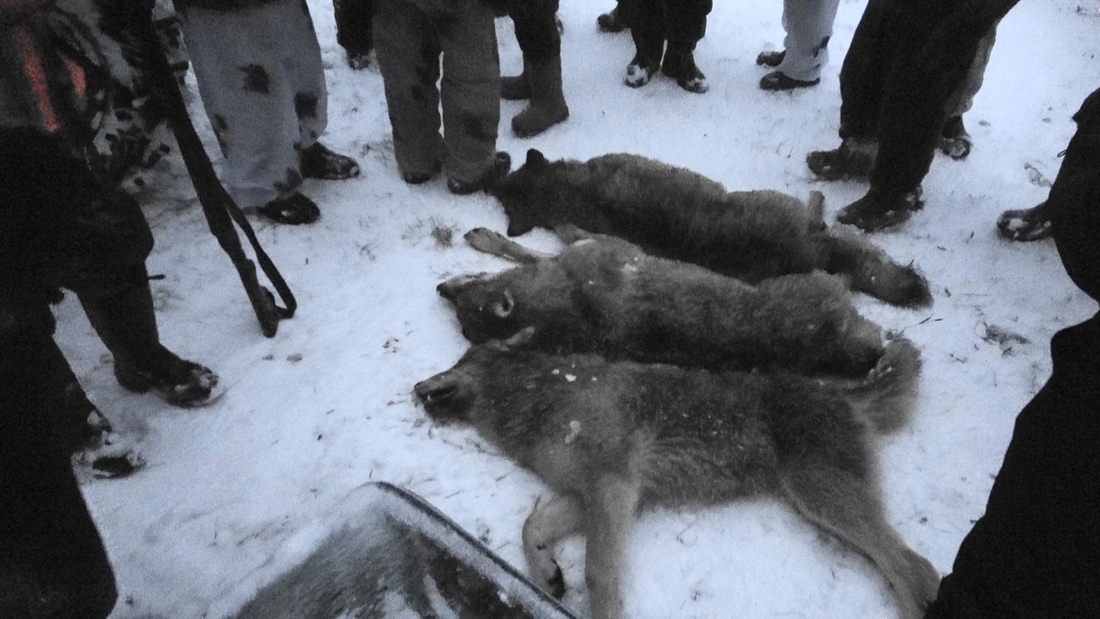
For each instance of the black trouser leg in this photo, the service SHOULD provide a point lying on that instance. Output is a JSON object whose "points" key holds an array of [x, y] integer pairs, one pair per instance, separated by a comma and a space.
{"points": [[52, 560]]}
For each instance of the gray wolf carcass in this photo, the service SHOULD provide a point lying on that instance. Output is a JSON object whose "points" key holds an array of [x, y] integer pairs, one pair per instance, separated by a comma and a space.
{"points": [[603, 294], [612, 438], [676, 213]]}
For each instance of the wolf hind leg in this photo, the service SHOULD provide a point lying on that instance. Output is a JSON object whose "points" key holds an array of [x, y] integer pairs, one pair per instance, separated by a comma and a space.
{"points": [[489, 242], [549, 523], [610, 512], [848, 508]]}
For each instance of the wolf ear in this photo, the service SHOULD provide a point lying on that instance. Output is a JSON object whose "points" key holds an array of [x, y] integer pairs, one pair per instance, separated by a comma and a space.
{"points": [[536, 159], [502, 307]]}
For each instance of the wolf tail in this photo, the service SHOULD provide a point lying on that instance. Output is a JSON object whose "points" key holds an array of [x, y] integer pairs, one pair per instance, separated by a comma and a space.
{"points": [[871, 270], [887, 395]]}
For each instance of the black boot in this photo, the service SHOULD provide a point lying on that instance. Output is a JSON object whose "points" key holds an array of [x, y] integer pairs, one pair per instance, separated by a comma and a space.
{"points": [[679, 64], [854, 159], [547, 107], [97, 451], [1031, 224], [879, 209], [955, 142], [126, 323], [611, 21]]}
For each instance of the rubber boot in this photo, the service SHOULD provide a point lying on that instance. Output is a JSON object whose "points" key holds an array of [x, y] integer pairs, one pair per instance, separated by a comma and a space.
{"points": [[547, 106], [126, 323]]}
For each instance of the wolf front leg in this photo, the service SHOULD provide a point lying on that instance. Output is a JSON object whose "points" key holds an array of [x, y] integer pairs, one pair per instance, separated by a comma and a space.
{"points": [[485, 240], [546, 525], [610, 512]]}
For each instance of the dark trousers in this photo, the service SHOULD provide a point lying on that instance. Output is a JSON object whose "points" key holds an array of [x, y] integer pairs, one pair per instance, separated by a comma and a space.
{"points": [[536, 29], [52, 560], [353, 25], [907, 60], [682, 23]]}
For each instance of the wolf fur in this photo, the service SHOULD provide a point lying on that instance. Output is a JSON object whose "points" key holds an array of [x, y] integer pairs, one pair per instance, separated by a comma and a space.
{"points": [[612, 438], [676, 213], [603, 294]]}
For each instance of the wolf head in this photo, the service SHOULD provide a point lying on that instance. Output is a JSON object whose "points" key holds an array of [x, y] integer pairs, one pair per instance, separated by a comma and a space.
{"points": [[454, 394], [518, 190], [485, 306], [497, 306]]}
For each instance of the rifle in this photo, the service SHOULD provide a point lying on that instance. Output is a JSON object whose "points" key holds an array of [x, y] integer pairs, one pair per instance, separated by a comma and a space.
{"points": [[131, 24]]}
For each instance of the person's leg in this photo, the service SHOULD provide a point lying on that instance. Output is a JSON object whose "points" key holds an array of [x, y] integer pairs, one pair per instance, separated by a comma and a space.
{"points": [[248, 99], [914, 106], [861, 82], [648, 33], [540, 41], [470, 95], [119, 307], [809, 26], [353, 30], [301, 59], [686, 25], [408, 51], [955, 142], [52, 559]]}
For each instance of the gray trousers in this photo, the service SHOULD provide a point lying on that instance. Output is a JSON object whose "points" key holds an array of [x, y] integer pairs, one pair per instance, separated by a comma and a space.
{"points": [[809, 25], [409, 37], [262, 83]]}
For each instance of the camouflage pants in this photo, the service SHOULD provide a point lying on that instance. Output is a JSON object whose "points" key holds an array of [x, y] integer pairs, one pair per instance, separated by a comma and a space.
{"points": [[262, 83], [409, 37]]}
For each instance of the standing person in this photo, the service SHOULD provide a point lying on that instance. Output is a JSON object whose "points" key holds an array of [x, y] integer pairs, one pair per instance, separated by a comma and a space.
{"points": [[679, 23], [809, 26], [259, 71], [353, 30], [409, 38], [912, 69], [539, 39], [1036, 550]]}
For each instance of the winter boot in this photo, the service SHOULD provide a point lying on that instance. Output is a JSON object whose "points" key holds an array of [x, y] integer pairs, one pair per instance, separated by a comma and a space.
{"points": [[1030, 224], [502, 163], [955, 142], [611, 21], [97, 451], [854, 159], [294, 209], [778, 80], [547, 106], [640, 70], [318, 161], [127, 325], [878, 210], [681, 67], [771, 58]]}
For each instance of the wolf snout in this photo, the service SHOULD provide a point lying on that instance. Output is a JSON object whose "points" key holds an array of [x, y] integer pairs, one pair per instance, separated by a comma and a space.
{"points": [[441, 395], [449, 289]]}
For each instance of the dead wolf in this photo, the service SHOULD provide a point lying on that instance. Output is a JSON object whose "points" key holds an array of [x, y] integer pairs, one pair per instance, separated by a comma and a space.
{"points": [[612, 438], [603, 294], [676, 213]]}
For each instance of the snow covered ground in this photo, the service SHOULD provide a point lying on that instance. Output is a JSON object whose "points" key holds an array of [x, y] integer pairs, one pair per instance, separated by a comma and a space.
{"points": [[326, 404]]}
